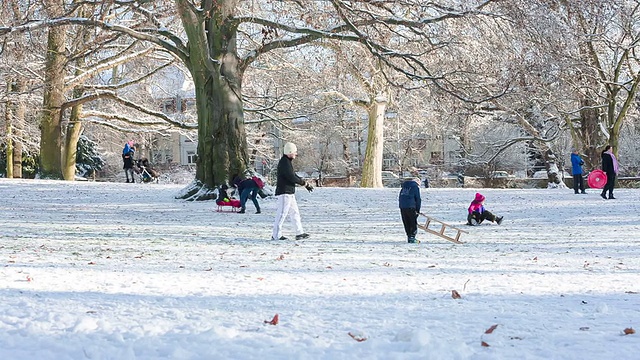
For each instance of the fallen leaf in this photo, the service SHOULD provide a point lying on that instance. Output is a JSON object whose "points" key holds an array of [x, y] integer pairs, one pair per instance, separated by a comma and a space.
{"points": [[281, 257], [484, 344], [629, 331], [29, 278], [490, 330], [358, 338], [209, 269], [273, 321], [455, 294], [91, 263], [535, 258], [584, 328]]}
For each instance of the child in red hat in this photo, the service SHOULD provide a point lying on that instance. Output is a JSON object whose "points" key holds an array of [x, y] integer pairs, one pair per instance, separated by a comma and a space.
{"points": [[477, 212]]}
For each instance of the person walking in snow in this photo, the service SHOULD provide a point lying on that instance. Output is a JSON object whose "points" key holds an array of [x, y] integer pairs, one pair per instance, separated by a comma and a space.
{"points": [[576, 171], [285, 195], [127, 159], [248, 188], [477, 213], [409, 202], [610, 167]]}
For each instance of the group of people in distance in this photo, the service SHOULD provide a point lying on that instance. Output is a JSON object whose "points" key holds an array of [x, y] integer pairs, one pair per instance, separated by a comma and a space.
{"points": [[140, 166], [609, 166], [287, 205], [410, 201]]}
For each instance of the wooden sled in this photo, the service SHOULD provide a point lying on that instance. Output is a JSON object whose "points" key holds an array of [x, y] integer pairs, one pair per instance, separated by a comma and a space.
{"points": [[443, 228]]}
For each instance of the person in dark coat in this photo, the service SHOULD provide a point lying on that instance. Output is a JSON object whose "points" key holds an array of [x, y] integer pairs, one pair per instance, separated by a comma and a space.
{"points": [[576, 171], [127, 159], [410, 201], [248, 188], [285, 195], [610, 167]]}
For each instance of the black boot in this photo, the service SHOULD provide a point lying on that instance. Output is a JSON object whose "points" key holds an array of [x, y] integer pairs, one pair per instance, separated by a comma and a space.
{"points": [[604, 196]]}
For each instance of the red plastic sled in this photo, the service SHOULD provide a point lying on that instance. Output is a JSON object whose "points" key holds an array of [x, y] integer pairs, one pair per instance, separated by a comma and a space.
{"points": [[597, 179]]}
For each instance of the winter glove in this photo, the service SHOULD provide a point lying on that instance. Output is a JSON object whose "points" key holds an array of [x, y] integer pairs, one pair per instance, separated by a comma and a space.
{"points": [[308, 187]]}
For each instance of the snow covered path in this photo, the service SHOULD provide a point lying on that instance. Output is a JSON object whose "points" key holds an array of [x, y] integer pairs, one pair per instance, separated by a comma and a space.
{"points": [[125, 271]]}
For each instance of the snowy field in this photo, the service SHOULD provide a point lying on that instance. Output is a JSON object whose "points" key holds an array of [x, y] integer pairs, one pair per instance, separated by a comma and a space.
{"points": [[125, 271]]}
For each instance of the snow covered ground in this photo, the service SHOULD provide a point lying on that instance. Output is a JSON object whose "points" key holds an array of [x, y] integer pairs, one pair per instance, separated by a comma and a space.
{"points": [[125, 271]]}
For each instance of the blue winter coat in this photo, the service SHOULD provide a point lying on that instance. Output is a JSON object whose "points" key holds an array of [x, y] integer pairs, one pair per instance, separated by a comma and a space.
{"points": [[576, 164], [410, 195]]}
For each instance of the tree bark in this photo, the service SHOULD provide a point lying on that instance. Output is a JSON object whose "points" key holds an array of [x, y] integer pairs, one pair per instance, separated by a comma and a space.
{"points": [[372, 165], [50, 127], [217, 76]]}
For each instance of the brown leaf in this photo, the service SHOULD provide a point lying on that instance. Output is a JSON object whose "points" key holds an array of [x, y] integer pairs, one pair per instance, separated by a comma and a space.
{"points": [[455, 294], [281, 257], [273, 321], [358, 338], [484, 344], [490, 330], [629, 331], [91, 263], [535, 258]]}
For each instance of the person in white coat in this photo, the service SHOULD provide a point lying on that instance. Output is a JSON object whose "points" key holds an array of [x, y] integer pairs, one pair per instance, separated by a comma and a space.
{"points": [[285, 195]]}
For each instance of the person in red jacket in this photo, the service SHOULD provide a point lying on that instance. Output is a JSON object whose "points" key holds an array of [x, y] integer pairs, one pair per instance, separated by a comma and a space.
{"points": [[478, 214]]}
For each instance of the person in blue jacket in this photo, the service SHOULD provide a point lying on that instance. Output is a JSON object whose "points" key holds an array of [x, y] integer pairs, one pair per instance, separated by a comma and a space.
{"points": [[576, 171], [410, 201]]}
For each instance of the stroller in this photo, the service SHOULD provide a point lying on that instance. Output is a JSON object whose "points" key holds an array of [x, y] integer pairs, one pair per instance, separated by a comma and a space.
{"points": [[147, 174]]}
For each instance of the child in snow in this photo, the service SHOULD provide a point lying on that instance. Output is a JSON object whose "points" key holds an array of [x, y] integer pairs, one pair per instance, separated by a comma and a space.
{"points": [[410, 201], [477, 212], [224, 199]]}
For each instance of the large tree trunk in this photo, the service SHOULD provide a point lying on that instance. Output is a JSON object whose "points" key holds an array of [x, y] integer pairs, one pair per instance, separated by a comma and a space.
{"points": [[50, 128], [14, 120], [372, 166], [217, 76], [74, 129], [8, 120]]}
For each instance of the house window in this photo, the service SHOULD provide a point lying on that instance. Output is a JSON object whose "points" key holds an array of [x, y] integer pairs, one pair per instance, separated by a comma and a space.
{"points": [[191, 157]]}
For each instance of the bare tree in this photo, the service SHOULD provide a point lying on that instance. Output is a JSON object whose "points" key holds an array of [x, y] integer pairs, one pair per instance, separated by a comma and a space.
{"points": [[225, 37]]}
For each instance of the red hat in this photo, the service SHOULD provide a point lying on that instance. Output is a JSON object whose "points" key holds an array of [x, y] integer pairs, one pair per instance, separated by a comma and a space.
{"points": [[479, 197]]}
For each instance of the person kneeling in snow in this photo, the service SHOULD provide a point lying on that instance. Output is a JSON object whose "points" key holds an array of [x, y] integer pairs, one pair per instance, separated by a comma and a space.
{"points": [[477, 212]]}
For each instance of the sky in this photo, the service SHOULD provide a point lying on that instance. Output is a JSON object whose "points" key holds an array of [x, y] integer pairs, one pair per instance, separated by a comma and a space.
{"points": [[96, 270]]}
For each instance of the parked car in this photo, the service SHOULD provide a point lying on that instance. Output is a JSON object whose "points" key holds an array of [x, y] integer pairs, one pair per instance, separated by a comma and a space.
{"points": [[501, 175], [542, 174], [390, 179]]}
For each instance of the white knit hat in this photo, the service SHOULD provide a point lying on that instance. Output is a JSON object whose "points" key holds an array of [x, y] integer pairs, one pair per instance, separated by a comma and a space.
{"points": [[290, 148]]}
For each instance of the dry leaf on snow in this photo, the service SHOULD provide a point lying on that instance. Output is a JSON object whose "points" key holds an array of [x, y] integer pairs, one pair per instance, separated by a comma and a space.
{"points": [[358, 338], [455, 294], [273, 321], [490, 330], [629, 331]]}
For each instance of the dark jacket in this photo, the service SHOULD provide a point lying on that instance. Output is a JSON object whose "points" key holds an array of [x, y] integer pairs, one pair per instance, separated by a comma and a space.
{"points": [[410, 196], [222, 194], [127, 159], [607, 163], [576, 164], [247, 184], [287, 178]]}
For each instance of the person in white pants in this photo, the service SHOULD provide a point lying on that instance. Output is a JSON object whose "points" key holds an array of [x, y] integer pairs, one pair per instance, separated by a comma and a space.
{"points": [[285, 193]]}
